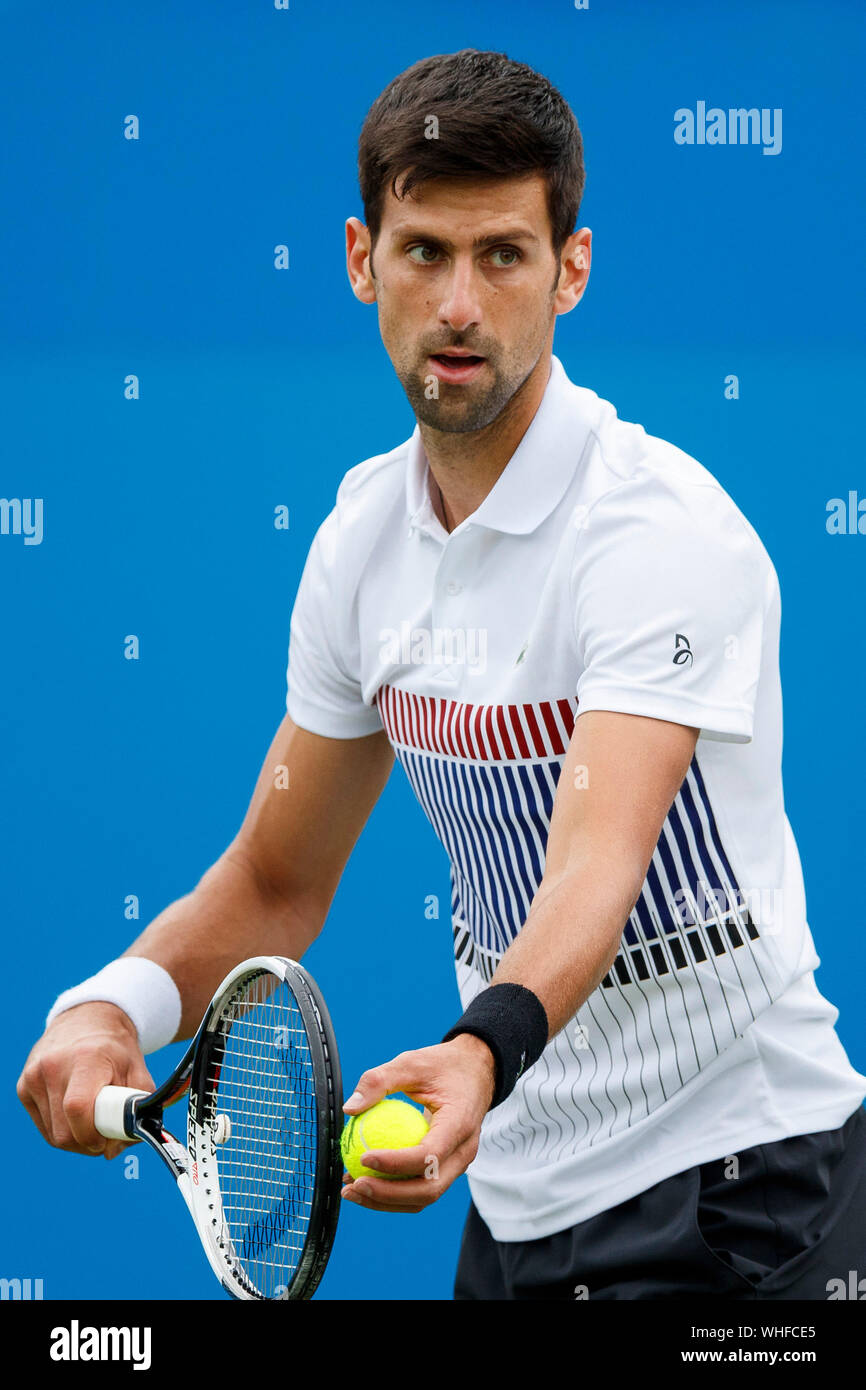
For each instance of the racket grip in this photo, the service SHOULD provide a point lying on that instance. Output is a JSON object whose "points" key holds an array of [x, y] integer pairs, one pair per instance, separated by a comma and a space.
{"points": [[109, 1110]]}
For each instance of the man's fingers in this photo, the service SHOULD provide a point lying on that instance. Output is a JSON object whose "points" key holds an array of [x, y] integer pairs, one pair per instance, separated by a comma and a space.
{"points": [[400, 1074], [415, 1193], [445, 1138], [59, 1097], [140, 1077], [84, 1085], [33, 1110], [113, 1147], [380, 1206], [446, 1135], [54, 1091], [399, 1163], [84, 1049]]}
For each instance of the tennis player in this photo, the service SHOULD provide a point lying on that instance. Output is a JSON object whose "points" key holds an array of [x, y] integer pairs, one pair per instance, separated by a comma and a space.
{"points": [[567, 633]]}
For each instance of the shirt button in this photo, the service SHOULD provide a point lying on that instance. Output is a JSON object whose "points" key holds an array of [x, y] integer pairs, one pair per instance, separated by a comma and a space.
{"points": [[452, 587]]}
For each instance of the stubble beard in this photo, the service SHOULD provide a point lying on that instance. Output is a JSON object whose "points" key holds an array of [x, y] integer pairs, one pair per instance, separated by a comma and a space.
{"points": [[461, 409]]}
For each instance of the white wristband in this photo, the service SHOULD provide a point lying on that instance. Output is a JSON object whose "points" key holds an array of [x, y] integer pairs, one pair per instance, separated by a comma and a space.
{"points": [[143, 989]]}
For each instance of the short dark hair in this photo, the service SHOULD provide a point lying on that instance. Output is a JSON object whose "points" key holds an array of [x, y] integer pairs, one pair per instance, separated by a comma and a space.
{"points": [[496, 119]]}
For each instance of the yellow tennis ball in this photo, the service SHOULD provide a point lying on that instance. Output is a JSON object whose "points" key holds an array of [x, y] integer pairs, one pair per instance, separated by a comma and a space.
{"points": [[391, 1124]]}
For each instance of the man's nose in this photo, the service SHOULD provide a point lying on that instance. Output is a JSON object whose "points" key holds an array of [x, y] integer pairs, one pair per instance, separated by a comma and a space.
{"points": [[461, 305]]}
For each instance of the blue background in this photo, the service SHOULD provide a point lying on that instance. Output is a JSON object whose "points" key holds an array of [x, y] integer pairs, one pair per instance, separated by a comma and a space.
{"points": [[258, 387]]}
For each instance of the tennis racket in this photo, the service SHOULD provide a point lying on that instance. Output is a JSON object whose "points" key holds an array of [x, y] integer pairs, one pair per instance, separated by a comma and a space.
{"points": [[261, 1170]]}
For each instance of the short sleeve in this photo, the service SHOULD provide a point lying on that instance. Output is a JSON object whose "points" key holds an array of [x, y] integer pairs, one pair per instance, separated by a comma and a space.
{"points": [[670, 591], [323, 673]]}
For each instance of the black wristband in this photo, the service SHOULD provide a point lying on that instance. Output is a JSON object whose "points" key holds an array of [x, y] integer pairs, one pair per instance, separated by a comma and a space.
{"points": [[513, 1022]]}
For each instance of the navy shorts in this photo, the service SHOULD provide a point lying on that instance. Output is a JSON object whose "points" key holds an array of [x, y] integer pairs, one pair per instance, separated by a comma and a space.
{"points": [[789, 1224]]}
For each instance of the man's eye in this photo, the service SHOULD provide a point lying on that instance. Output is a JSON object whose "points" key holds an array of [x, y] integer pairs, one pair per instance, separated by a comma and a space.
{"points": [[423, 246], [507, 251]]}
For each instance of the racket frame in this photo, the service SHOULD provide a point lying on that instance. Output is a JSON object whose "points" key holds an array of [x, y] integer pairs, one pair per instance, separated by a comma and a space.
{"points": [[191, 1165]]}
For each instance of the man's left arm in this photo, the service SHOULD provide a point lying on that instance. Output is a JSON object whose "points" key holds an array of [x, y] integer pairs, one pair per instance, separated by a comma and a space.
{"points": [[619, 778]]}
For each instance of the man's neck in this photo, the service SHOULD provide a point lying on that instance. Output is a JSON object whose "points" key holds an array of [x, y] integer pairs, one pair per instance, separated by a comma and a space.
{"points": [[465, 467]]}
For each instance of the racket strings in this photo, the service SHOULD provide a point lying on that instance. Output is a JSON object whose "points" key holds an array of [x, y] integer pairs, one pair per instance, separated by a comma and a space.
{"points": [[261, 1078]]}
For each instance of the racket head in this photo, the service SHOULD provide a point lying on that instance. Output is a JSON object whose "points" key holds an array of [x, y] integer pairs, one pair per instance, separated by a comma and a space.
{"points": [[263, 1131]]}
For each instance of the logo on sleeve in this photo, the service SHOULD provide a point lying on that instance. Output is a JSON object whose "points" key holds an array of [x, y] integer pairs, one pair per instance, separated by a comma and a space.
{"points": [[683, 654]]}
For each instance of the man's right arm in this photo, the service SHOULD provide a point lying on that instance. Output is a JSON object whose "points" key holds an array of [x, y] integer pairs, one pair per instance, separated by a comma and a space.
{"points": [[268, 893]]}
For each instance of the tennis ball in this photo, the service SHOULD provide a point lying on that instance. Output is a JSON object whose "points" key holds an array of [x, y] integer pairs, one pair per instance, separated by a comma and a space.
{"points": [[391, 1124]]}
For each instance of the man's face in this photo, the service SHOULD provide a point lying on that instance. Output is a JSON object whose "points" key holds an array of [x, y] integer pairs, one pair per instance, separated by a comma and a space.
{"points": [[468, 266]]}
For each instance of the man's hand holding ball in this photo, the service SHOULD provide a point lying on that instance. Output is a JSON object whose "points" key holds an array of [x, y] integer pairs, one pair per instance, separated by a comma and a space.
{"points": [[455, 1082]]}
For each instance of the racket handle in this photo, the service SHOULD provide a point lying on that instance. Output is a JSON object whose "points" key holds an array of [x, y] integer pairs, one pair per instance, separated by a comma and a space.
{"points": [[110, 1108]]}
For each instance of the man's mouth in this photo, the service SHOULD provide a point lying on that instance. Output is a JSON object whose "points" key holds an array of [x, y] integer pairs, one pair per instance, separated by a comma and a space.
{"points": [[455, 366]]}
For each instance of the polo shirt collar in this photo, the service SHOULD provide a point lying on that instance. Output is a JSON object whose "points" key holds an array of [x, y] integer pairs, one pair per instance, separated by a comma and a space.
{"points": [[536, 476]]}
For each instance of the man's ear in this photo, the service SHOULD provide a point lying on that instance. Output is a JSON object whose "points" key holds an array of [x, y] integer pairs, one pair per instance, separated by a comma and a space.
{"points": [[574, 273], [358, 261]]}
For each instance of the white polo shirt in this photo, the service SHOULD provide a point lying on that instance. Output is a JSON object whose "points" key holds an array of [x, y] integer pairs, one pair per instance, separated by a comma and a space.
{"points": [[606, 569]]}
